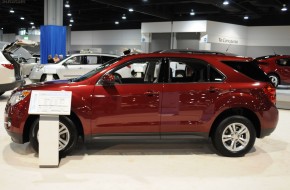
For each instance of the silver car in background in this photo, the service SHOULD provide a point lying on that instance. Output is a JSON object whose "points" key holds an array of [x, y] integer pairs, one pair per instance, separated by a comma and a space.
{"points": [[71, 67]]}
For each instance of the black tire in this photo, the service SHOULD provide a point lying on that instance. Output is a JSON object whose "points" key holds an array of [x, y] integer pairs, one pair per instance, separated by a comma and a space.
{"points": [[228, 130], [274, 79], [180, 73], [71, 136], [44, 76]]}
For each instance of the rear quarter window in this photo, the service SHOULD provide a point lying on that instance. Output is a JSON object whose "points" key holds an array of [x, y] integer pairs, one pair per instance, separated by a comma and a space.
{"points": [[249, 69]]}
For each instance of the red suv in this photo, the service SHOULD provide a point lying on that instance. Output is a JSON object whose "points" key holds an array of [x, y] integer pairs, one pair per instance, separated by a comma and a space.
{"points": [[227, 99], [277, 67]]}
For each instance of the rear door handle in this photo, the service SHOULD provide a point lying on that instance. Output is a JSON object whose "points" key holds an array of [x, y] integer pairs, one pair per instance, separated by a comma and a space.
{"points": [[151, 93], [213, 89]]}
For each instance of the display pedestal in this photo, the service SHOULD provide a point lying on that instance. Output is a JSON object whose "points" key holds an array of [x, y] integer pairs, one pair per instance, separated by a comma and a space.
{"points": [[48, 141]]}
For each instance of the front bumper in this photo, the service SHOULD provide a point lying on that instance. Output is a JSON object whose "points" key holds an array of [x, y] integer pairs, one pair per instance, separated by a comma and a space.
{"points": [[11, 86]]}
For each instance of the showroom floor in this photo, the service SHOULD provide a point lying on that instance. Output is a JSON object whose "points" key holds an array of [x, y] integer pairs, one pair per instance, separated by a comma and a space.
{"points": [[150, 165]]}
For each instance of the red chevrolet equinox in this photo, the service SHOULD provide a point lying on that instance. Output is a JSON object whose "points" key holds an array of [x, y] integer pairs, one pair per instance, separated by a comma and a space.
{"points": [[227, 99]]}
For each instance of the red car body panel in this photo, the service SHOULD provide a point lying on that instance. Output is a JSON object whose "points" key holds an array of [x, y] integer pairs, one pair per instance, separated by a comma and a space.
{"points": [[270, 66], [155, 108]]}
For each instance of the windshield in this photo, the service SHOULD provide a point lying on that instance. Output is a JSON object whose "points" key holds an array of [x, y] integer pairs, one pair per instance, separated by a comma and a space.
{"points": [[96, 70]]}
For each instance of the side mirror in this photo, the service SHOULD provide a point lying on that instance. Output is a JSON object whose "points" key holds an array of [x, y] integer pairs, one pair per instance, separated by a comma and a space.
{"points": [[108, 80]]}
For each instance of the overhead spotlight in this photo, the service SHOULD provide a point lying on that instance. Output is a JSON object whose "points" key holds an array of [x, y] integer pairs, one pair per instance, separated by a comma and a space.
{"points": [[22, 18], [11, 11], [246, 17], [71, 20], [69, 14], [192, 12], [116, 22], [70, 24], [226, 2], [2, 28], [66, 5], [131, 10], [124, 17], [33, 27], [284, 8], [31, 23]]}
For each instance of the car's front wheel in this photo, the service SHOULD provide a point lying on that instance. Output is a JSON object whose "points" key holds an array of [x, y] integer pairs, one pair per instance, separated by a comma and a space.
{"points": [[274, 79], [67, 136], [234, 136]]}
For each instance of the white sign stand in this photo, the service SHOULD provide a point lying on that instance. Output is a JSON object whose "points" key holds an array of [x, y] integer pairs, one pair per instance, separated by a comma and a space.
{"points": [[49, 105]]}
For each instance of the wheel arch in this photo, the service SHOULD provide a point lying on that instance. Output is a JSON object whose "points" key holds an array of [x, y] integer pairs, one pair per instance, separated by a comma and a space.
{"points": [[32, 118], [237, 111]]}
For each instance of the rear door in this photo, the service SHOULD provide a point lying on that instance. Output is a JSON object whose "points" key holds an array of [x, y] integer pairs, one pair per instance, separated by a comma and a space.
{"points": [[283, 66], [188, 101]]}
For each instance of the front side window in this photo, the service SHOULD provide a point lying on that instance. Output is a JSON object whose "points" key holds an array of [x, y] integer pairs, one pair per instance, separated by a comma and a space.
{"points": [[76, 60], [137, 71]]}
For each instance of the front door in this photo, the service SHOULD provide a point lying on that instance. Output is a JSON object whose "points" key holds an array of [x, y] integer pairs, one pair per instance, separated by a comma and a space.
{"points": [[132, 104]]}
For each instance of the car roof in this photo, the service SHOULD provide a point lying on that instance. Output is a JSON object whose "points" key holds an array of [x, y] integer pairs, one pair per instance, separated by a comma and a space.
{"points": [[187, 55], [270, 56], [194, 51]]}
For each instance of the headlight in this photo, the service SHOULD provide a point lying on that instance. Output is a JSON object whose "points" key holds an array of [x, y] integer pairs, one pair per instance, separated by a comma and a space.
{"points": [[18, 96]]}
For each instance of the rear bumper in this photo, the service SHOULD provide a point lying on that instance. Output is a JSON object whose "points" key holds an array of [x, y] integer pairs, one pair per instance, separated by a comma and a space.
{"points": [[11, 86]]}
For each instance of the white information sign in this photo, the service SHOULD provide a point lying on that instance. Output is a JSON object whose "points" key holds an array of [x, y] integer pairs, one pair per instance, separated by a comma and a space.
{"points": [[50, 102]]}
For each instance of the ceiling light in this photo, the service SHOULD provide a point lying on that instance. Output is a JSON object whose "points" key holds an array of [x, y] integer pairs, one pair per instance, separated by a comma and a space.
{"points": [[226, 3], [124, 17], [131, 10], [66, 5], [246, 17], [2, 28], [117, 22], [192, 12], [284, 8], [71, 20], [11, 11], [33, 27], [22, 18], [70, 24], [31, 23], [68, 14]]}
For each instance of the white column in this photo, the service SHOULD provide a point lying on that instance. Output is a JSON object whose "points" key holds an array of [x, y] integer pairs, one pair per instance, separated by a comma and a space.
{"points": [[53, 12]]}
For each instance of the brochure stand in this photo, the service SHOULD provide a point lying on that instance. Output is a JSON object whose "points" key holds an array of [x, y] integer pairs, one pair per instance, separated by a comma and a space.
{"points": [[49, 105]]}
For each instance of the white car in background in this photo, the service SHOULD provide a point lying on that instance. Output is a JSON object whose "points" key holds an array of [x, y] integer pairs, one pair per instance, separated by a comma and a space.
{"points": [[71, 67], [10, 70]]}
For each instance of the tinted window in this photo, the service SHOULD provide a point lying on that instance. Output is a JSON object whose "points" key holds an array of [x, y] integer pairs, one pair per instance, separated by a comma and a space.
{"points": [[192, 70], [283, 62], [107, 58], [249, 69]]}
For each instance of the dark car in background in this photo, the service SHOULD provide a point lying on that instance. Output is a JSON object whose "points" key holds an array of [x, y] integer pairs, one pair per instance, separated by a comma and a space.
{"points": [[227, 99], [277, 67]]}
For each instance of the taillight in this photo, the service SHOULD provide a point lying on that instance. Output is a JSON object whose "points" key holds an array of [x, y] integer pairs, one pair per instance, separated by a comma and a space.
{"points": [[270, 91], [8, 66]]}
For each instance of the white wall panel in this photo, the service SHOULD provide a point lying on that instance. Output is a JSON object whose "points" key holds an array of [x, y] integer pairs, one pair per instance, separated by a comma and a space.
{"points": [[269, 36], [156, 27], [189, 26], [106, 37]]}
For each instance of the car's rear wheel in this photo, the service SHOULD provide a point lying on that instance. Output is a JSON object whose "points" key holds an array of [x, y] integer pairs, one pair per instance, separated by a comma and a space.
{"points": [[67, 135], [274, 79], [234, 136]]}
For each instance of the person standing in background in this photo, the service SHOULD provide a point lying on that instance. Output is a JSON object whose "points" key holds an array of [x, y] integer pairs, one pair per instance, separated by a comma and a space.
{"points": [[56, 59], [49, 59]]}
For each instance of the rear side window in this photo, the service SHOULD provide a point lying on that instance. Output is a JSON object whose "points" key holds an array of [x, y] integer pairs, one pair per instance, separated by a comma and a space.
{"points": [[249, 69]]}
